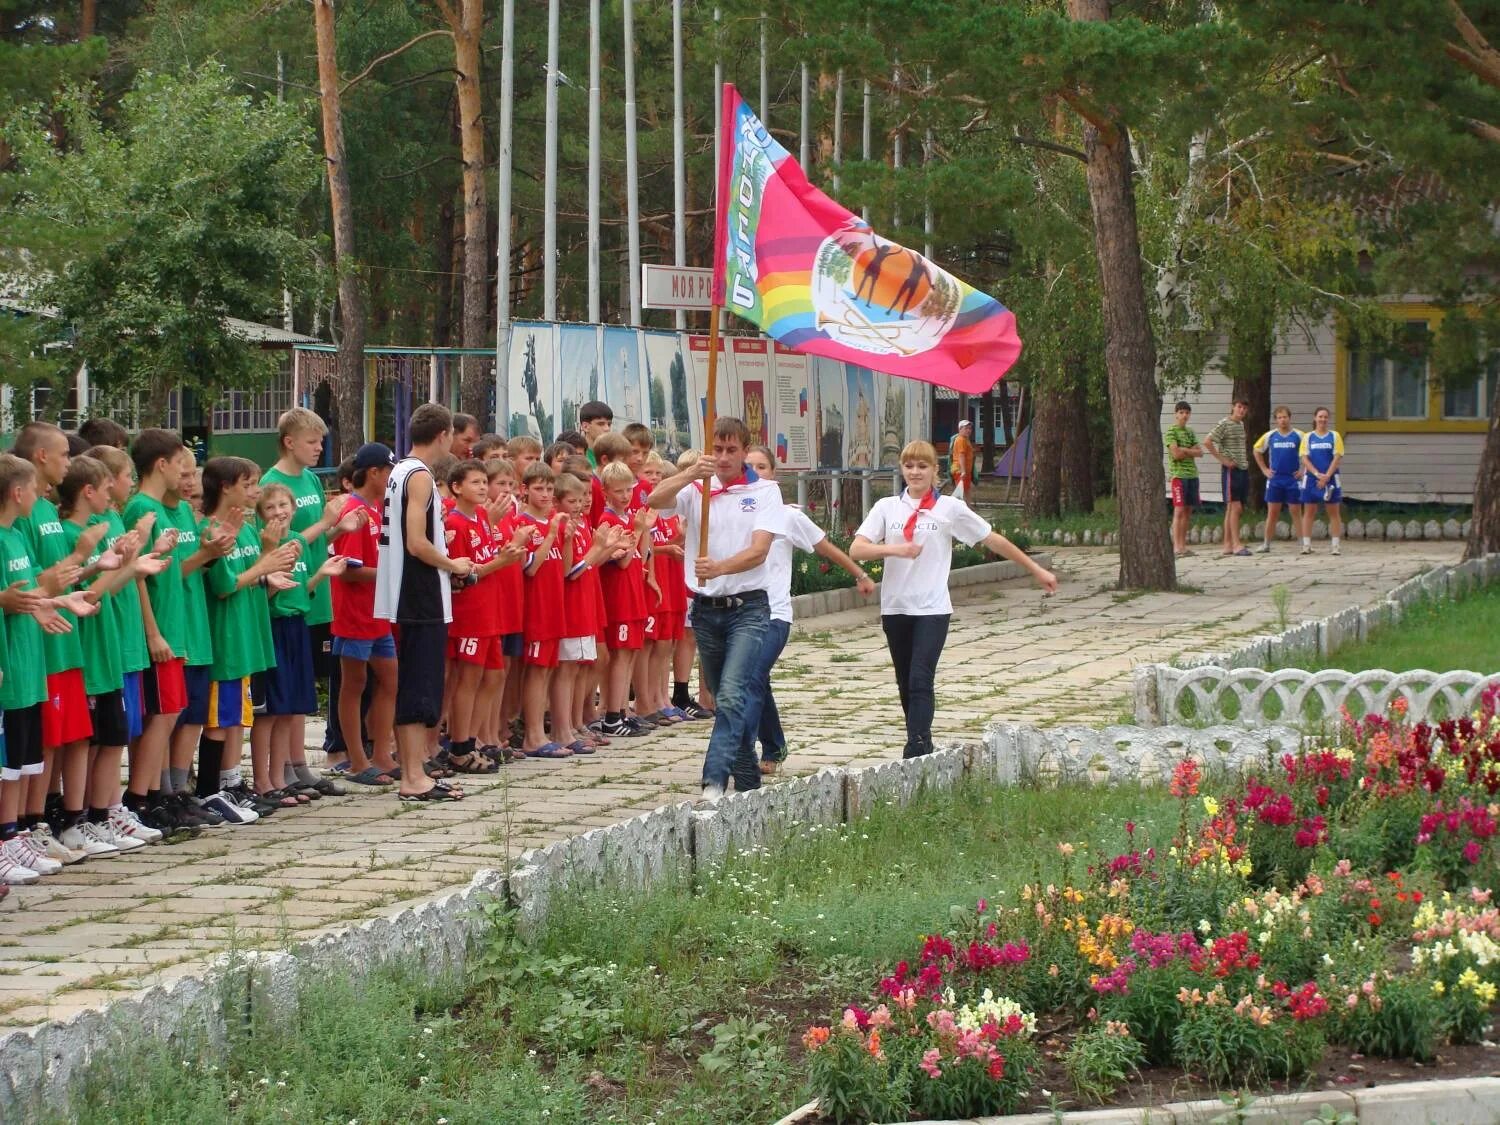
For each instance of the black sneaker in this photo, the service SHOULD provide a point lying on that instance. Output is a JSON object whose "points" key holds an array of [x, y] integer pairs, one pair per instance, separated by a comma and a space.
{"points": [[693, 711], [240, 795], [167, 819], [640, 725], [190, 814], [620, 728]]}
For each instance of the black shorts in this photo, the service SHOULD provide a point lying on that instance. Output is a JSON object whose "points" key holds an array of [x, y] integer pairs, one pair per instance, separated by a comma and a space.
{"points": [[421, 653], [196, 679], [23, 742], [324, 663], [512, 645], [289, 688], [108, 712], [1236, 485]]}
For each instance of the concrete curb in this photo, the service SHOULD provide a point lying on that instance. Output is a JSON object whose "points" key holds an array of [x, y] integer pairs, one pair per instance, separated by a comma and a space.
{"points": [[808, 606]]}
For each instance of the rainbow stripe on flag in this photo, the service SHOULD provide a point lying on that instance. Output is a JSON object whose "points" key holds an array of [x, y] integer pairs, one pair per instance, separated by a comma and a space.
{"points": [[819, 280]]}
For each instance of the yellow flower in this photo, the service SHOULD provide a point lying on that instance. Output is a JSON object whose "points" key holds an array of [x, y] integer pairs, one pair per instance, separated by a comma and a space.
{"points": [[1437, 987], [1210, 806], [1486, 992]]}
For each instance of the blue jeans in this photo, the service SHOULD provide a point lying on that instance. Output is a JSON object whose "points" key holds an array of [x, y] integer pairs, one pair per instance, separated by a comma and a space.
{"points": [[763, 718], [729, 647]]}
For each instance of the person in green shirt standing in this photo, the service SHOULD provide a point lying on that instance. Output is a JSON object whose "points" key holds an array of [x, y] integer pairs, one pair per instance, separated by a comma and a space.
{"points": [[30, 600], [299, 442], [1182, 470], [239, 616]]}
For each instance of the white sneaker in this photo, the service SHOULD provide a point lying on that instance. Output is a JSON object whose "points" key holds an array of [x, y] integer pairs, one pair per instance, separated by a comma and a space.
{"points": [[124, 824], [1263, 549], [121, 842], [86, 838], [1306, 549], [1334, 549], [713, 793], [48, 857], [230, 810], [13, 870]]}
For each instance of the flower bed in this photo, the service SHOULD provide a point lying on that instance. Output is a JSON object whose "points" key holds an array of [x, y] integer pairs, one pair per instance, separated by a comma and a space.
{"points": [[811, 574], [1343, 896]]}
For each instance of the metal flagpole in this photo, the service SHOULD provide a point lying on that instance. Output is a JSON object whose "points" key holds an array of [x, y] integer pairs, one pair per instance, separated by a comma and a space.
{"points": [[838, 128], [679, 158], [286, 294], [549, 197], [632, 169], [765, 82], [864, 140], [594, 161], [802, 149], [502, 232], [927, 203], [896, 150]]}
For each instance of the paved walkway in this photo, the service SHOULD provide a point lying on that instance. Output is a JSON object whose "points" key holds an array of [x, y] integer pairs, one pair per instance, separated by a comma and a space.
{"points": [[83, 937]]}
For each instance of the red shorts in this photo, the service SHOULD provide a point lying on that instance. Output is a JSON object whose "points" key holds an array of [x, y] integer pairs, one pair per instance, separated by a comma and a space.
{"points": [[483, 651], [667, 626], [625, 635], [541, 654], [65, 715], [164, 687]]}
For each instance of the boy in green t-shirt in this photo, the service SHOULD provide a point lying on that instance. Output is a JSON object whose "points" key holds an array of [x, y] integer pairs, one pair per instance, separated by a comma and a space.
{"points": [[1182, 470], [288, 690], [238, 616], [30, 601], [91, 769]]}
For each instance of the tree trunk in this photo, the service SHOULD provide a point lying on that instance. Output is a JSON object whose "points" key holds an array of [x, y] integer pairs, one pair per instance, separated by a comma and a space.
{"points": [[1484, 533], [349, 381], [88, 19], [1077, 445], [477, 372], [1252, 382], [1129, 351], [1044, 489]]}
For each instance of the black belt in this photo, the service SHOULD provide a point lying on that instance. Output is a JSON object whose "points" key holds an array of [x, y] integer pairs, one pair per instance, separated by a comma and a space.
{"points": [[731, 601]]}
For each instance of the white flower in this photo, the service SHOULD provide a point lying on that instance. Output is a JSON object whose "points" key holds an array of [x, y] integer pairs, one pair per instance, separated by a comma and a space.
{"points": [[1204, 925]]}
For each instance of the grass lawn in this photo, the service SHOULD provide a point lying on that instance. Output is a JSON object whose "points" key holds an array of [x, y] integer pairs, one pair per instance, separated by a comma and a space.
{"points": [[1439, 636], [682, 1006]]}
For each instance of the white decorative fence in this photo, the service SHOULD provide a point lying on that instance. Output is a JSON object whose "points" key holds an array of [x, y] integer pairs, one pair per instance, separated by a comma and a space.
{"points": [[1236, 687]]}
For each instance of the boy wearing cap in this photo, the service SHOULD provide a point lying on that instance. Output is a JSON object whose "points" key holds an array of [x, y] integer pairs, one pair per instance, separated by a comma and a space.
{"points": [[961, 461]]}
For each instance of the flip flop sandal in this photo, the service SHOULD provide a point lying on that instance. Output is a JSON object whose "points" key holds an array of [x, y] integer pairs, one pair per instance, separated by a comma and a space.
{"points": [[472, 763], [373, 775], [550, 750], [580, 747], [341, 770], [438, 792], [328, 788], [301, 789]]}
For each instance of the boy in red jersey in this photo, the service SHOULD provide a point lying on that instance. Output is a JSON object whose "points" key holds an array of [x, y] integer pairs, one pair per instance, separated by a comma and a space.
{"points": [[625, 583], [583, 552], [361, 641], [521, 452], [666, 606], [495, 713], [474, 635], [542, 620]]}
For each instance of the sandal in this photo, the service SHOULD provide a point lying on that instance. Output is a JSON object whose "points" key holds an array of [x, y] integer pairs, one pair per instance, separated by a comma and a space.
{"points": [[327, 788], [549, 750], [439, 792], [472, 763], [280, 798], [435, 771], [579, 746], [372, 775]]}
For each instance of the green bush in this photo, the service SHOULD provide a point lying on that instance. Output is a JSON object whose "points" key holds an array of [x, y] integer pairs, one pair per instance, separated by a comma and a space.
{"points": [[812, 574], [1103, 1059]]}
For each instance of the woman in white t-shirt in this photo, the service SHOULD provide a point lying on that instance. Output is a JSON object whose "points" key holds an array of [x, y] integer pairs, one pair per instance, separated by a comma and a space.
{"points": [[799, 533], [914, 533]]}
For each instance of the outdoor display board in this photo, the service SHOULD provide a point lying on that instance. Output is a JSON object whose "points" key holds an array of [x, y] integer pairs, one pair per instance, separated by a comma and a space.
{"points": [[814, 412]]}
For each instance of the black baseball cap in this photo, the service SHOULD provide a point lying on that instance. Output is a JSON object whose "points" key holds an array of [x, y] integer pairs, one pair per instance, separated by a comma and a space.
{"points": [[372, 455]]}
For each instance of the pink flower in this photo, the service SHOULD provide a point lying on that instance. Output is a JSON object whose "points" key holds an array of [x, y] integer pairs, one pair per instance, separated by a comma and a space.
{"points": [[880, 1017], [1472, 851], [929, 1063]]}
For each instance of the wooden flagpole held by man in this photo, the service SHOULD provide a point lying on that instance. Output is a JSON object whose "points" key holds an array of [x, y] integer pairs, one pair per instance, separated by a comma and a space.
{"points": [[709, 418]]}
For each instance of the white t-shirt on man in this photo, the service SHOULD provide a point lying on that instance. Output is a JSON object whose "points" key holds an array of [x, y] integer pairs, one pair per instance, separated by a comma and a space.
{"points": [[919, 587], [798, 533], [738, 512]]}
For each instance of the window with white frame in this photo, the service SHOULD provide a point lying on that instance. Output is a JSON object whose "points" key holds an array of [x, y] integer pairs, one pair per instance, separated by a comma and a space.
{"points": [[1469, 399], [255, 411], [1389, 384]]}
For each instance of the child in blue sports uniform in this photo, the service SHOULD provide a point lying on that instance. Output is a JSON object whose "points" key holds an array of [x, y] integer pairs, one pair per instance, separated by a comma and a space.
{"points": [[1279, 455], [1322, 453]]}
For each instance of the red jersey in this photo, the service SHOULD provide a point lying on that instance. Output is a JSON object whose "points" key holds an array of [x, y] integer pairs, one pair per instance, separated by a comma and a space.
{"points": [[638, 496], [624, 586], [542, 618], [354, 601], [475, 608], [597, 503], [671, 573], [509, 582], [580, 594]]}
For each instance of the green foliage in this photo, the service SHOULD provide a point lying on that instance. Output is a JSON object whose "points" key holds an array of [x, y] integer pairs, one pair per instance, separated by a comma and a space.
{"points": [[1227, 1048], [1440, 635], [1401, 1022], [1101, 1060], [151, 228]]}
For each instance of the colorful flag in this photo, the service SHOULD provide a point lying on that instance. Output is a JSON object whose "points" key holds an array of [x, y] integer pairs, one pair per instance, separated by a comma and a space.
{"points": [[816, 278]]}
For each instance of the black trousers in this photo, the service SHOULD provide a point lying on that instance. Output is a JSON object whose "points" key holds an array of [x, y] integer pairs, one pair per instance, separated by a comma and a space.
{"points": [[916, 644]]}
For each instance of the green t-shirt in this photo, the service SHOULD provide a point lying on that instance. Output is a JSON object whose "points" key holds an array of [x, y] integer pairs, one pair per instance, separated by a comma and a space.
{"points": [[238, 619], [99, 633], [307, 495], [126, 604], [296, 602], [167, 590], [44, 535], [1185, 468], [25, 680], [200, 641]]}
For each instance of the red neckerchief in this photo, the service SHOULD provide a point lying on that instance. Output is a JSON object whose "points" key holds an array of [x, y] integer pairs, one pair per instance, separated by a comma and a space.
{"points": [[926, 504], [747, 476]]}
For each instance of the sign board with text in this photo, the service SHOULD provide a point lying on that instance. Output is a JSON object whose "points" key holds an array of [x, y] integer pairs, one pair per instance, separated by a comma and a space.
{"points": [[677, 287]]}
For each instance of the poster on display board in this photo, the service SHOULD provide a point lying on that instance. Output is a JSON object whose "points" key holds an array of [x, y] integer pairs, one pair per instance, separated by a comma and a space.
{"points": [[726, 399], [918, 410], [578, 371], [791, 409], [752, 371], [667, 392], [828, 380], [624, 376], [890, 408], [532, 378], [860, 424]]}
